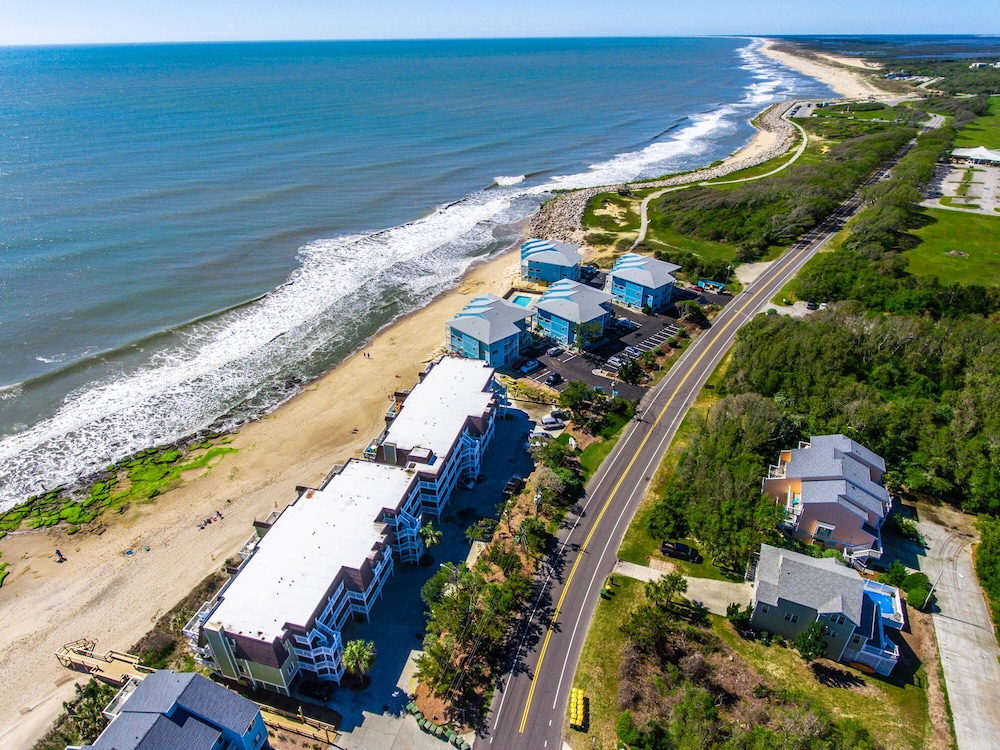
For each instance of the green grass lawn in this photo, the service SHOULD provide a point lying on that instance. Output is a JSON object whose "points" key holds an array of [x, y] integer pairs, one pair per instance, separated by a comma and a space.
{"points": [[610, 212], [597, 671], [983, 131], [661, 235], [975, 234], [894, 711]]}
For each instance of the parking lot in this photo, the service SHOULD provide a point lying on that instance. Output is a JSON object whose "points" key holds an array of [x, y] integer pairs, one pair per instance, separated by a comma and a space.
{"points": [[633, 333]]}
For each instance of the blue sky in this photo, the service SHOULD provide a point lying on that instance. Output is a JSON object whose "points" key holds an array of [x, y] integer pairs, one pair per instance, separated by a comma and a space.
{"points": [[73, 21]]}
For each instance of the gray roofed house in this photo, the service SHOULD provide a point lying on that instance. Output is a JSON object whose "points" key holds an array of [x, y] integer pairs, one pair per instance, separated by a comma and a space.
{"points": [[832, 491], [792, 590], [489, 328], [641, 281], [568, 305], [169, 710], [545, 260]]}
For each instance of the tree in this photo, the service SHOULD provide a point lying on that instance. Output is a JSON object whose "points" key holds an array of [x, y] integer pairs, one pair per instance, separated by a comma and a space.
{"points": [[811, 643], [575, 395], [359, 657], [688, 309], [588, 333], [430, 536], [661, 591], [630, 372], [532, 536]]}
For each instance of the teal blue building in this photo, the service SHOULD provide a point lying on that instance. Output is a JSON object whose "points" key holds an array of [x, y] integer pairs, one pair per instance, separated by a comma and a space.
{"points": [[542, 260], [567, 306], [639, 281], [489, 328]]}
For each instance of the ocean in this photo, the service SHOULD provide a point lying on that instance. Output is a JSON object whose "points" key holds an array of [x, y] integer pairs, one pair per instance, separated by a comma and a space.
{"points": [[190, 232]]}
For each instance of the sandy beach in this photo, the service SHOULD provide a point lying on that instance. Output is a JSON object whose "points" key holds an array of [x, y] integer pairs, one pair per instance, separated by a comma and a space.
{"points": [[847, 76], [103, 594]]}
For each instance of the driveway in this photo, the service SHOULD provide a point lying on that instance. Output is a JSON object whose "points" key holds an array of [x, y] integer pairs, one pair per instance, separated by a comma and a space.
{"points": [[965, 635], [714, 595]]}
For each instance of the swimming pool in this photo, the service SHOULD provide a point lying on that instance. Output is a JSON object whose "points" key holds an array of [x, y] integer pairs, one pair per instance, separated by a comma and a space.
{"points": [[521, 300]]}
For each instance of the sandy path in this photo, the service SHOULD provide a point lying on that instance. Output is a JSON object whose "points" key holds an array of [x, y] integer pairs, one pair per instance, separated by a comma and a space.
{"points": [[845, 77], [102, 594]]}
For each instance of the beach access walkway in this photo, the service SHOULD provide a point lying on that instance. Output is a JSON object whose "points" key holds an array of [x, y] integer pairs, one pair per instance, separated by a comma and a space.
{"points": [[698, 178], [114, 667]]}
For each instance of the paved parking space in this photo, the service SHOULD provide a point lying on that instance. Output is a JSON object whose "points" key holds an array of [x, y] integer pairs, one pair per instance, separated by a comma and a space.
{"points": [[633, 334]]}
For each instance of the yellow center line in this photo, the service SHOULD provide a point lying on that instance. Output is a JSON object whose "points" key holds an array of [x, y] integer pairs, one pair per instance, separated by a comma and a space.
{"points": [[614, 492]]}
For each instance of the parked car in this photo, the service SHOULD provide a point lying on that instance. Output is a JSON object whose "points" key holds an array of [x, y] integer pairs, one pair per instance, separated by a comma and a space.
{"points": [[514, 485], [679, 550], [554, 351], [530, 366], [810, 305], [554, 379], [633, 351], [614, 362], [551, 423]]}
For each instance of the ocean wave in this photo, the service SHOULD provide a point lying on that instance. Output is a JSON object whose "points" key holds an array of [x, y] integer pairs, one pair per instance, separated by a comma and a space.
{"points": [[234, 366], [250, 359]]}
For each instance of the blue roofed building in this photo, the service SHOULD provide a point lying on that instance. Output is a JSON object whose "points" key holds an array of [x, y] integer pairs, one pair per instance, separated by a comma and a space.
{"points": [[489, 328], [167, 710], [573, 314], [542, 260], [639, 281]]}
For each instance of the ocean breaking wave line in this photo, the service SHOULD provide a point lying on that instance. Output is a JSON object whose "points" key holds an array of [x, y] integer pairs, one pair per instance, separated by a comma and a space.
{"points": [[245, 354]]}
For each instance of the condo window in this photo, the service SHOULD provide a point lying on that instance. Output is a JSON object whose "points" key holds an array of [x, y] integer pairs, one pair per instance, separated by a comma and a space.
{"points": [[790, 617], [764, 609], [838, 619], [824, 531]]}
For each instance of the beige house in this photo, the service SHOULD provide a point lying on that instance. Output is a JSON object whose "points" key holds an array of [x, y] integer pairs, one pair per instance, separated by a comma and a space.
{"points": [[831, 489]]}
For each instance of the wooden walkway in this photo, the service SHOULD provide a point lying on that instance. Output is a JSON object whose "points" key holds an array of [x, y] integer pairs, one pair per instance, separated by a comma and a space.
{"points": [[114, 667]]}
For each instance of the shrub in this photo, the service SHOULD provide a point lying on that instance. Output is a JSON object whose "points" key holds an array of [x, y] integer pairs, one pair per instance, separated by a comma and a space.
{"points": [[894, 575], [626, 729]]}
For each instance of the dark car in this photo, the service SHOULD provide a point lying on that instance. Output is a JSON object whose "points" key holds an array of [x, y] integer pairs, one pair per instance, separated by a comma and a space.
{"points": [[679, 550], [811, 305], [513, 486], [554, 379]]}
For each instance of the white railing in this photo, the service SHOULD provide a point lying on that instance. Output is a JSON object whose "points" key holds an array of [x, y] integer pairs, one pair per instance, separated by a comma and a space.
{"points": [[248, 547], [192, 630]]}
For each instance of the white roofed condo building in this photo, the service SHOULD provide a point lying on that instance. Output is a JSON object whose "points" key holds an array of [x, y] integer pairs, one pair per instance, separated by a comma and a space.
{"points": [[831, 488], [442, 428], [573, 314], [489, 328], [326, 557], [543, 260], [639, 281]]}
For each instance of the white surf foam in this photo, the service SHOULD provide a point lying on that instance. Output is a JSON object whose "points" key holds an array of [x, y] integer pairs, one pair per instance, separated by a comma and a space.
{"points": [[244, 356]]}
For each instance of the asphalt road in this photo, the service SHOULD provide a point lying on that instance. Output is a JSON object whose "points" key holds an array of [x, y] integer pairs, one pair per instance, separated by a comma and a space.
{"points": [[530, 703]]}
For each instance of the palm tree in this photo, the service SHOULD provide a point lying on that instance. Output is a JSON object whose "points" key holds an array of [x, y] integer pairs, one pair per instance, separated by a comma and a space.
{"points": [[359, 656], [430, 536]]}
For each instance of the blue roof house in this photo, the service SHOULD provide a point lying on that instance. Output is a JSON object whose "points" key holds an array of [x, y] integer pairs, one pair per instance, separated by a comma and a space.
{"points": [[169, 710], [567, 306], [489, 328], [542, 260], [640, 281]]}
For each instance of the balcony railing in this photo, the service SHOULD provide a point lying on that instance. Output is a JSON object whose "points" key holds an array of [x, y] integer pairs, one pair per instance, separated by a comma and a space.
{"points": [[192, 631]]}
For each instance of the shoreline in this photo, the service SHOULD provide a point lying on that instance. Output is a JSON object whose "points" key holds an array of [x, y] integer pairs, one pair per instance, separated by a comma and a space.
{"points": [[103, 594], [845, 76]]}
